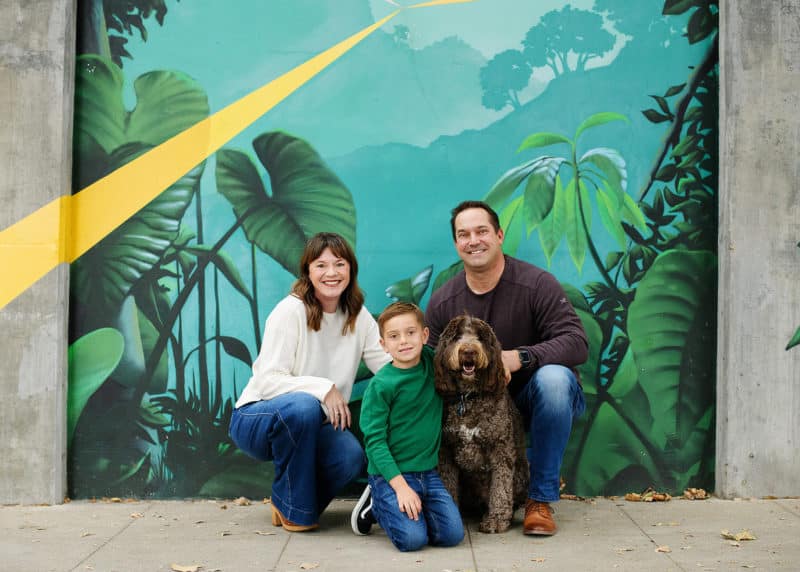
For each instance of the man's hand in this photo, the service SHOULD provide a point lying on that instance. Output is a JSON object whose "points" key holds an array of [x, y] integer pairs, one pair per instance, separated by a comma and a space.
{"points": [[511, 363], [338, 411], [407, 499]]}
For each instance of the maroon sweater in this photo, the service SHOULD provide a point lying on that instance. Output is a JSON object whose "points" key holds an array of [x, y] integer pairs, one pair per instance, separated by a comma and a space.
{"points": [[528, 308]]}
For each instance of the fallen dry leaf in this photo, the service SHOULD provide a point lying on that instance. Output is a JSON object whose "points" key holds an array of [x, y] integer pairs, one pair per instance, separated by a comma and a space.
{"points": [[185, 568], [538, 559], [223, 507], [633, 497], [225, 533], [265, 533], [623, 549], [663, 549], [137, 515], [695, 494], [743, 535], [667, 524], [85, 534], [648, 495], [242, 501], [115, 499], [309, 565]]}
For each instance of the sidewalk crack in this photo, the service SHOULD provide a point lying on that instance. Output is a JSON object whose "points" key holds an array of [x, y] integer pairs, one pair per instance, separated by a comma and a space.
{"points": [[650, 538], [109, 540]]}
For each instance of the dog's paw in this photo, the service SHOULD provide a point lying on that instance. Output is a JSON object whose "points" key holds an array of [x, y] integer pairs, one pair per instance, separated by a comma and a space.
{"points": [[493, 524]]}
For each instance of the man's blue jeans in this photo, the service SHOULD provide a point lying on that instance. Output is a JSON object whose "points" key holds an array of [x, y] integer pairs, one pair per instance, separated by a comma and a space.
{"points": [[549, 403], [439, 522], [313, 461]]}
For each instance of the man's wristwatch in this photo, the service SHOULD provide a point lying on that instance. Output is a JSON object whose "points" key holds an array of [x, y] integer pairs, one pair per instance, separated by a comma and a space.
{"points": [[525, 358]]}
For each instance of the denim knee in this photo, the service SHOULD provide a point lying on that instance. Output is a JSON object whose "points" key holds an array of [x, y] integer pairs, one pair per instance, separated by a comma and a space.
{"points": [[409, 538]]}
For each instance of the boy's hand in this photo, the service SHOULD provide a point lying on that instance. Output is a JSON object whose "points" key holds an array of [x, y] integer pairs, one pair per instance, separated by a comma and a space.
{"points": [[407, 499]]}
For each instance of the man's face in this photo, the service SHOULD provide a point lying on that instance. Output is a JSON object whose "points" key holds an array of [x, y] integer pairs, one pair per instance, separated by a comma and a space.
{"points": [[478, 244]]}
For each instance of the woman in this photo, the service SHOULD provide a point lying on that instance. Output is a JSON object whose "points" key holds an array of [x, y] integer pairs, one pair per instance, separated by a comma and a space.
{"points": [[294, 409]]}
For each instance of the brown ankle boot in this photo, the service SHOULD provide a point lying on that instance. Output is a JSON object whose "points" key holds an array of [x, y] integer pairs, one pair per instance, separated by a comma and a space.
{"points": [[539, 519], [279, 520]]}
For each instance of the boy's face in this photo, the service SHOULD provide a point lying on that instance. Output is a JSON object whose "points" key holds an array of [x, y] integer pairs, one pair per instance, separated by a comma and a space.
{"points": [[403, 337]]}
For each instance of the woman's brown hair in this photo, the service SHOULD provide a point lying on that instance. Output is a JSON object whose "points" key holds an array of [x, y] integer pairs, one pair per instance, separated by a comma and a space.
{"points": [[351, 300]]}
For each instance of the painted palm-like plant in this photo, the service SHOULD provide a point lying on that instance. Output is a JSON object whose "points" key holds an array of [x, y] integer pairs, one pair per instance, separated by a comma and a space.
{"points": [[556, 195]]}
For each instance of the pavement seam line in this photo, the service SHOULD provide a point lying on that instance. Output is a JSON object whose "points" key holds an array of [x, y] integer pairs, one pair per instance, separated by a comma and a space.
{"points": [[110, 539], [471, 547], [283, 548], [650, 538]]}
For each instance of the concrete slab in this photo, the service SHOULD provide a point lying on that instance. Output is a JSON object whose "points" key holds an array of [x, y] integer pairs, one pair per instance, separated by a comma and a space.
{"points": [[594, 535]]}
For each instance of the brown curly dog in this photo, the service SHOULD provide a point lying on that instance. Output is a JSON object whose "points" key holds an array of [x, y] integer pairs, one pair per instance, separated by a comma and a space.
{"points": [[482, 458]]}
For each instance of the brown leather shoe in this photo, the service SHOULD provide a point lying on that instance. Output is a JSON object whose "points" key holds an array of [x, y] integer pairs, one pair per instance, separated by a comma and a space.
{"points": [[539, 519]]}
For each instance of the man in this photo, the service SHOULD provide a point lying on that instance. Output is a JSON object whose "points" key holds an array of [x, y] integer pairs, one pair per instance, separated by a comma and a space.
{"points": [[542, 339]]}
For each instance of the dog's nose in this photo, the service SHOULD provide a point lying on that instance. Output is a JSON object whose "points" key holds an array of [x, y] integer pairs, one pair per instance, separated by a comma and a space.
{"points": [[468, 354]]}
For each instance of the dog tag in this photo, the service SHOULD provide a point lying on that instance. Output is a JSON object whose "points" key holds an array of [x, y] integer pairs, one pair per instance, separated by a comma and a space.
{"points": [[462, 405]]}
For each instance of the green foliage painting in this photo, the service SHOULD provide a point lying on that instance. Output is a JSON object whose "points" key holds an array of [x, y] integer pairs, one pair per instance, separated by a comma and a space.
{"points": [[591, 128]]}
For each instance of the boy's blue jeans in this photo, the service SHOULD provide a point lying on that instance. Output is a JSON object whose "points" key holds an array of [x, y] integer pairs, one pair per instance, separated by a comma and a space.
{"points": [[439, 522], [313, 461], [549, 403]]}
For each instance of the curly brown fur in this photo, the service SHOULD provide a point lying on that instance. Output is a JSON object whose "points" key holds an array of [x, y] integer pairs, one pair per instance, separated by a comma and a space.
{"points": [[482, 457]]}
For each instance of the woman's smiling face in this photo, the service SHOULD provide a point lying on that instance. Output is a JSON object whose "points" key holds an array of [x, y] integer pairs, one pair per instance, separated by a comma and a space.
{"points": [[330, 276]]}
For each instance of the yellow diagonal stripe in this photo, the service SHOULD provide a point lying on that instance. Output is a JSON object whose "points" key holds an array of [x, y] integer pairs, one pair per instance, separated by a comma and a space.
{"points": [[64, 229]]}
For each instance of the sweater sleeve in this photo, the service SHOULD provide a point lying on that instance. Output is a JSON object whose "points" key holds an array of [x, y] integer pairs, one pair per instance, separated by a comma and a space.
{"points": [[274, 371], [374, 424], [374, 356], [561, 328]]}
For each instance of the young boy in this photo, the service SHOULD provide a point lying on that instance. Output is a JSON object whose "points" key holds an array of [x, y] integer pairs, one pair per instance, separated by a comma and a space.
{"points": [[401, 418]]}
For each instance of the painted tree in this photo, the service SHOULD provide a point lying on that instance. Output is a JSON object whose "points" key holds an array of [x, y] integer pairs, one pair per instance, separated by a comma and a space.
{"points": [[503, 77], [562, 35]]}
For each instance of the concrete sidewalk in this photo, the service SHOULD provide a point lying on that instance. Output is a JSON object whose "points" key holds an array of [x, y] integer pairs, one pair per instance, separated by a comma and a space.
{"points": [[596, 534]]}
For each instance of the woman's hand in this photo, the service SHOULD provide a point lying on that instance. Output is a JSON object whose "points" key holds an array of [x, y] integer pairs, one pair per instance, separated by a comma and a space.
{"points": [[338, 411], [407, 499]]}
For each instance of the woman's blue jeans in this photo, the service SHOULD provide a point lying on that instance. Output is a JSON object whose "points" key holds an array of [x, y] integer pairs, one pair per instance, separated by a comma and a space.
{"points": [[313, 461], [439, 522], [549, 403]]}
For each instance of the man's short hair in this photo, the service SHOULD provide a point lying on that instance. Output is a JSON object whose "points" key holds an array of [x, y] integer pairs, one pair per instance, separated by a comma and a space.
{"points": [[493, 218], [398, 308]]}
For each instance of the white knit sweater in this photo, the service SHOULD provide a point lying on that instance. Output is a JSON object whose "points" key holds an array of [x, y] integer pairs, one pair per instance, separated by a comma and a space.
{"points": [[294, 358]]}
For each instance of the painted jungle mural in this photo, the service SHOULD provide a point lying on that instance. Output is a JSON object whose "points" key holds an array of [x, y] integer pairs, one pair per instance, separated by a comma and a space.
{"points": [[590, 125]]}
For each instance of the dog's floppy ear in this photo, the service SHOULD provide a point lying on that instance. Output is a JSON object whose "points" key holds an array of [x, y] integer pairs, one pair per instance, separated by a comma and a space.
{"points": [[496, 380], [443, 376]]}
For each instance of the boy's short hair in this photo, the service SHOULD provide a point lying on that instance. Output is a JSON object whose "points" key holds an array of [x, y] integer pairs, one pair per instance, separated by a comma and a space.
{"points": [[398, 308]]}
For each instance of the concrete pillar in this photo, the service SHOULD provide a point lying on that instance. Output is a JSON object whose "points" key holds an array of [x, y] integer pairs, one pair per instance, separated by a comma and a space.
{"points": [[37, 60], [758, 401]]}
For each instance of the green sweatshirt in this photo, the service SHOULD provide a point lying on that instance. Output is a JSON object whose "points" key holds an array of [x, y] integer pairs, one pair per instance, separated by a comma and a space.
{"points": [[401, 418]]}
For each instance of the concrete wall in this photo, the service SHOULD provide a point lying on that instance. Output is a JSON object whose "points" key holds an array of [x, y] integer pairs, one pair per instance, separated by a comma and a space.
{"points": [[37, 56], [758, 411]]}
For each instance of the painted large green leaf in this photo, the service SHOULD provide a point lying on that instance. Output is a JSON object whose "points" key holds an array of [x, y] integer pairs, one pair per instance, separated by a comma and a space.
{"points": [[104, 275], [610, 449], [411, 289], [508, 182], [610, 164], [590, 370], [512, 223], [540, 191], [91, 360], [306, 198], [598, 119], [551, 231], [672, 327], [107, 137]]}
